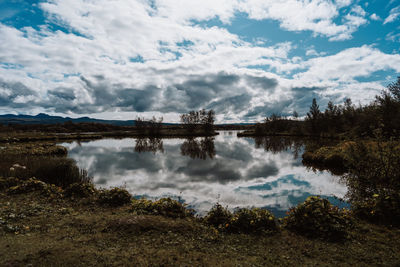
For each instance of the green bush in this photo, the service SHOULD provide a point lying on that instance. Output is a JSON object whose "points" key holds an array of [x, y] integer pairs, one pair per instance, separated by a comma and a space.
{"points": [[317, 217], [242, 220], [80, 190], [164, 206], [115, 197], [252, 220], [373, 181], [218, 216]]}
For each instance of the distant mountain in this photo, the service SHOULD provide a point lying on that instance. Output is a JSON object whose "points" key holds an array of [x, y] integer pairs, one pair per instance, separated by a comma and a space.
{"points": [[48, 119], [43, 118]]}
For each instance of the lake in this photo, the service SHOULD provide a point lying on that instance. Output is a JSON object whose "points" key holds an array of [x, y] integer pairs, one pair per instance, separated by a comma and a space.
{"points": [[236, 172]]}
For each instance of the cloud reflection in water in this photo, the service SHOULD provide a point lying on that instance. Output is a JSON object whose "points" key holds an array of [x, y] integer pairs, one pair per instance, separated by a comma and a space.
{"points": [[235, 172]]}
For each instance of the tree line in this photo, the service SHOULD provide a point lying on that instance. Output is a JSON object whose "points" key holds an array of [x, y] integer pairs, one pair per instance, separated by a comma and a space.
{"points": [[382, 114], [201, 119]]}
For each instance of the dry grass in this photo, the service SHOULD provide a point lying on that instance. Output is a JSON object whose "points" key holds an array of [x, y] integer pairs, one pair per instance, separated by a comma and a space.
{"points": [[60, 232]]}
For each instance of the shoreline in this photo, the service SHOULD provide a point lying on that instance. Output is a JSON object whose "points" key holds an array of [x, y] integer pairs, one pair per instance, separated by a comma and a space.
{"points": [[36, 227]]}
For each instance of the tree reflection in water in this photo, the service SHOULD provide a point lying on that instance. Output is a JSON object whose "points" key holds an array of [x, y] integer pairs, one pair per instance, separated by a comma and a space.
{"points": [[276, 144], [201, 149], [149, 145]]}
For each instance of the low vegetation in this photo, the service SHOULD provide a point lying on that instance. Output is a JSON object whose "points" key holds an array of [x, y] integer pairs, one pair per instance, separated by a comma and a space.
{"points": [[334, 157], [242, 220], [373, 180], [40, 229], [316, 217], [114, 197], [164, 207], [371, 173]]}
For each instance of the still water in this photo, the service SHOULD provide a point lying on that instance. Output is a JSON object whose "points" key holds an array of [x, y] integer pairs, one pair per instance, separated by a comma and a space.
{"points": [[236, 172]]}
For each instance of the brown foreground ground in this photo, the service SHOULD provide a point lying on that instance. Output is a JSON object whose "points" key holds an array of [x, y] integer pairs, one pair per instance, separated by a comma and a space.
{"points": [[64, 232]]}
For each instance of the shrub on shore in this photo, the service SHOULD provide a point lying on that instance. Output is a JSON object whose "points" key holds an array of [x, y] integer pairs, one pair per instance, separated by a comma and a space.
{"points": [[218, 216], [114, 197], [317, 217], [331, 157], [252, 220], [80, 190], [165, 206], [242, 220], [373, 181], [33, 184]]}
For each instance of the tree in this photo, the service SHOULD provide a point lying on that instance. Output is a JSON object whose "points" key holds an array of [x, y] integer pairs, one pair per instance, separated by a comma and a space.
{"points": [[152, 126], [313, 116], [140, 123], [314, 112], [394, 89], [195, 118], [155, 126], [209, 120], [331, 117], [295, 115], [389, 108]]}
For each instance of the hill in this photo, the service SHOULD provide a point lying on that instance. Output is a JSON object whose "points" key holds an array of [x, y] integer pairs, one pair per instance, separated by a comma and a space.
{"points": [[48, 119]]}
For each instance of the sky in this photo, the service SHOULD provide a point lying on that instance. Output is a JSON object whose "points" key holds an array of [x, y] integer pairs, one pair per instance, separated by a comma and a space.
{"points": [[246, 59]]}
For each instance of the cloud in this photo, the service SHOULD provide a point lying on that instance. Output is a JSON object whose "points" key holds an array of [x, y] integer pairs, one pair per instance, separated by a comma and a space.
{"points": [[239, 175], [392, 36], [267, 84], [15, 94], [375, 17], [264, 171], [201, 90], [393, 15], [349, 64], [315, 15], [279, 107], [234, 103], [312, 52], [169, 57]]}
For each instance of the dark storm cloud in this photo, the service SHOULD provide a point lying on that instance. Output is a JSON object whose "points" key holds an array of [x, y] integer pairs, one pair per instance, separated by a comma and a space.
{"points": [[269, 108], [201, 89], [10, 91], [234, 103], [300, 101], [100, 92], [61, 100], [63, 93], [137, 100], [108, 96], [262, 82], [223, 92], [303, 96], [174, 100]]}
